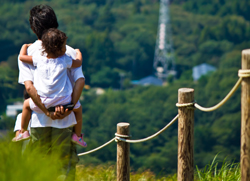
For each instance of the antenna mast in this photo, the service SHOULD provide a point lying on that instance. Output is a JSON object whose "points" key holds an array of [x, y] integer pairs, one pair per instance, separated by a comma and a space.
{"points": [[164, 52]]}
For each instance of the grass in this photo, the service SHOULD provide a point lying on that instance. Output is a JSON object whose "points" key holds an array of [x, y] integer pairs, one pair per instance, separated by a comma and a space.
{"points": [[212, 172], [29, 165], [108, 173], [215, 171]]}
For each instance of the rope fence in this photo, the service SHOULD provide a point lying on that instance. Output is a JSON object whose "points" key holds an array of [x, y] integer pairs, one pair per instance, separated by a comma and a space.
{"points": [[186, 106], [223, 100], [98, 148], [118, 137]]}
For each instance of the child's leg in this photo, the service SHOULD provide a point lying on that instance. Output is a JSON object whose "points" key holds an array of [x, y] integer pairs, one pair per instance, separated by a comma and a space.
{"points": [[78, 126], [77, 137], [17, 132], [26, 115]]}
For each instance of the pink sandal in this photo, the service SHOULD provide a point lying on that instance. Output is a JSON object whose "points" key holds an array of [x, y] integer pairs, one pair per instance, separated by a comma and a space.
{"points": [[21, 136], [78, 140]]}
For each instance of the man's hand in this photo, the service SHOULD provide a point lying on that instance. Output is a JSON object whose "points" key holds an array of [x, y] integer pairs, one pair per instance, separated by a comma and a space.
{"points": [[59, 113]]}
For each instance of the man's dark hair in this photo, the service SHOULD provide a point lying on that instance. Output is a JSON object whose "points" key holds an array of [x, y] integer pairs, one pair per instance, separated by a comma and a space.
{"points": [[42, 17]]}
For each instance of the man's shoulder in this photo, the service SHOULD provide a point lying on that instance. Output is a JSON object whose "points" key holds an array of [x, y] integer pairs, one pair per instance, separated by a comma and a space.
{"points": [[37, 43], [35, 47]]}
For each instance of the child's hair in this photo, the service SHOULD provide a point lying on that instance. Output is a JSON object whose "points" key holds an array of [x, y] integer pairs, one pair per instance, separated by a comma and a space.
{"points": [[25, 94], [53, 41]]}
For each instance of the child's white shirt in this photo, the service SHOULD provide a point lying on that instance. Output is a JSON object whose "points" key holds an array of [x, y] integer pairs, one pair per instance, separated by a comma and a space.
{"points": [[50, 76]]}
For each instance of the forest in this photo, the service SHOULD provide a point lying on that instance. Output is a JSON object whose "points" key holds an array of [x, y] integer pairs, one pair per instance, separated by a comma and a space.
{"points": [[117, 37]]}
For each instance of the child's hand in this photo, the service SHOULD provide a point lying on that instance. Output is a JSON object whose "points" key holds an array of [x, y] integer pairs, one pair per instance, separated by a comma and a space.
{"points": [[25, 46], [78, 51], [78, 61]]}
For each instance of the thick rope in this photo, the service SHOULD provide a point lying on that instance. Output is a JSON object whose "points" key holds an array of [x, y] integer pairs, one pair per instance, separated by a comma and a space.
{"points": [[188, 105], [122, 136], [223, 101], [150, 137], [98, 148], [244, 73], [241, 74]]}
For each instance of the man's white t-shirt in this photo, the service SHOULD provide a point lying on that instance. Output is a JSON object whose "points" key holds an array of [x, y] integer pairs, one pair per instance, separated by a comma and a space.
{"points": [[26, 72]]}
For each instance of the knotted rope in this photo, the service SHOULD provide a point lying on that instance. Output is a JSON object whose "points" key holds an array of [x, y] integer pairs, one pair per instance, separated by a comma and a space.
{"points": [[150, 137], [241, 74]]}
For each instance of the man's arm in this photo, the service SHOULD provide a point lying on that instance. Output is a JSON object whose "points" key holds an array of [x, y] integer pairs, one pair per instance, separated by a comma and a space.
{"points": [[31, 90]]}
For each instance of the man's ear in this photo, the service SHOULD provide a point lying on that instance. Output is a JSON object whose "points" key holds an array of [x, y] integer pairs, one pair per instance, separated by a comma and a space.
{"points": [[32, 29], [34, 32]]}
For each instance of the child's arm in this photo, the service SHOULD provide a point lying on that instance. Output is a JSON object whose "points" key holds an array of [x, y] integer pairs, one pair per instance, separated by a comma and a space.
{"points": [[79, 85], [23, 55], [78, 61]]}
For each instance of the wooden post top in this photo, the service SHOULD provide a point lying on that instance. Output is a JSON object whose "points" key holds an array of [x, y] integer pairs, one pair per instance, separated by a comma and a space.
{"points": [[122, 124], [185, 95], [246, 51], [186, 90], [245, 61], [123, 128]]}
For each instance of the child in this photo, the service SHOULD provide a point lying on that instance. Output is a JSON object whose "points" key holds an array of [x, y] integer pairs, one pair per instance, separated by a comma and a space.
{"points": [[51, 80]]}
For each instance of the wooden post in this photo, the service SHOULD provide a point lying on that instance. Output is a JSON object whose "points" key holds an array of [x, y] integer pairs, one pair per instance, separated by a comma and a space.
{"points": [[245, 119], [185, 136], [123, 162]]}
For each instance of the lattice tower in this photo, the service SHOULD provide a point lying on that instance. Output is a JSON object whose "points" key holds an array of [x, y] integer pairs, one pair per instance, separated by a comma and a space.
{"points": [[164, 64]]}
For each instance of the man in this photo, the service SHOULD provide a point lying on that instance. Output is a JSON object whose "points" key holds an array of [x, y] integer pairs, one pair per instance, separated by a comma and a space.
{"points": [[52, 134]]}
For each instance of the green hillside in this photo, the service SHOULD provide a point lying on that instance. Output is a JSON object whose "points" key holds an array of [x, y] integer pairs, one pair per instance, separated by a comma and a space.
{"points": [[118, 36]]}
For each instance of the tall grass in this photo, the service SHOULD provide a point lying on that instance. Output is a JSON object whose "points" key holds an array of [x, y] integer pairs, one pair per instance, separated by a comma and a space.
{"points": [[27, 165], [30, 165], [216, 171], [108, 173], [212, 172]]}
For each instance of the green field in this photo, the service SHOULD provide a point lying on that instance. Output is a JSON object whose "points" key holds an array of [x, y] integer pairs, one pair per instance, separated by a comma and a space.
{"points": [[30, 165]]}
